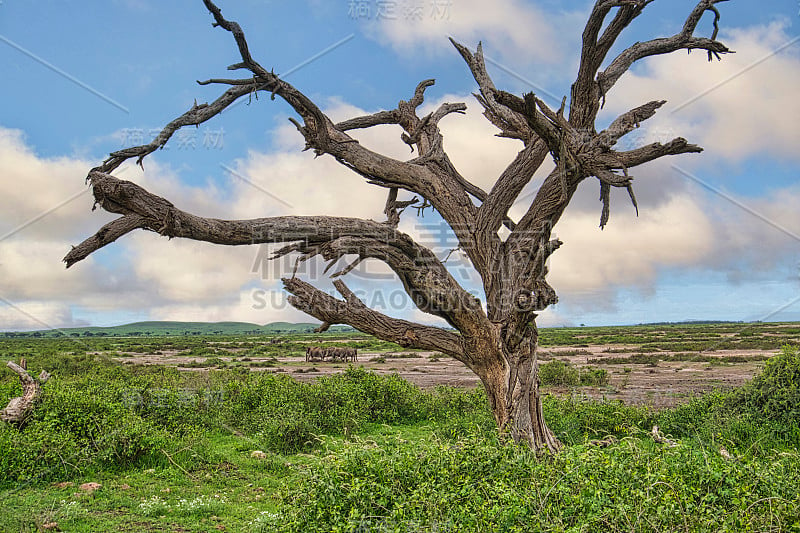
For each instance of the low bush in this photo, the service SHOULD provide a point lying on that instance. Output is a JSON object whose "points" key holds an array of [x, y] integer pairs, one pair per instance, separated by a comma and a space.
{"points": [[480, 484], [592, 376], [775, 392], [559, 373]]}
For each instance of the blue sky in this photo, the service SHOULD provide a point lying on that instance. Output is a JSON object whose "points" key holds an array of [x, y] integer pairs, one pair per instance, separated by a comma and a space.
{"points": [[717, 236]]}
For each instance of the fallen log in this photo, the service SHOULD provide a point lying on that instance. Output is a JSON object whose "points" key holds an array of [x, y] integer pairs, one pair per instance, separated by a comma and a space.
{"points": [[18, 409]]}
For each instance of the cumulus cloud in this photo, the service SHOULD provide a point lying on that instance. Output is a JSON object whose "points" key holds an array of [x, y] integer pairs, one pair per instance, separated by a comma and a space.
{"points": [[740, 107], [183, 270], [512, 27], [258, 306], [757, 236], [631, 250], [42, 197], [46, 208], [27, 315]]}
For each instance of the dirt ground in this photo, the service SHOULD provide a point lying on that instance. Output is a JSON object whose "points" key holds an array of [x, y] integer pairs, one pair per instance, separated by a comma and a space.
{"points": [[664, 384]]}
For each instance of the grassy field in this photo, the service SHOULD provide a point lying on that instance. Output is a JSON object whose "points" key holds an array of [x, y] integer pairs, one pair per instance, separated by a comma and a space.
{"points": [[228, 449]]}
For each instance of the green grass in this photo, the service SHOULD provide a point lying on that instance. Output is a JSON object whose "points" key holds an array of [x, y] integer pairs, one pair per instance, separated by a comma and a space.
{"points": [[361, 452], [424, 477]]}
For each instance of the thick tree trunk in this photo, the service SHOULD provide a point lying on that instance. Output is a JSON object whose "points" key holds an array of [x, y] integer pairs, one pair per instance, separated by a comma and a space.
{"points": [[511, 380]]}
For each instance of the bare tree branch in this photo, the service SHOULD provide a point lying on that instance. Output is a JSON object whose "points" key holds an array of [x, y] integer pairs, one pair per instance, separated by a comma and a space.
{"points": [[651, 152], [595, 49], [681, 41], [425, 278], [627, 122], [510, 123], [350, 311], [592, 84], [195, 116], [19, 408], [105, 235]]}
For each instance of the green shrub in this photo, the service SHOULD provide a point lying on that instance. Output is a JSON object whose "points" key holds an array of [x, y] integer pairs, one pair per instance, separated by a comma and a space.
{"points": [[288, 434], [559, 373], [576, 420], [91, 421], [288, 414], [592, 376], [74, 429], [478, 484], [755, 419], [775, 392]]}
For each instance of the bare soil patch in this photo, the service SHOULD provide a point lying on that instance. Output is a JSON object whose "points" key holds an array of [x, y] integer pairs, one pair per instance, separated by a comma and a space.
{"points": [[661, 384]]}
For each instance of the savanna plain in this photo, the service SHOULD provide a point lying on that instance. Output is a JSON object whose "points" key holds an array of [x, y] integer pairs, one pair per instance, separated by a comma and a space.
{"points": [[675, 427]]}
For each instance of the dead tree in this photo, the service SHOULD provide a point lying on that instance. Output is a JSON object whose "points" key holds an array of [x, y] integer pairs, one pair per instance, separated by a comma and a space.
{"points": [[498, 342], [18, 409]]}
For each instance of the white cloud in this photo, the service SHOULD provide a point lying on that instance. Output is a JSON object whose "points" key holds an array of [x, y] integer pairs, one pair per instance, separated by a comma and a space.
{"points": [[36, 315], [33, 270], [755, 240], [553, 318], [742, 106], [258, 306], [630, 250], [181, 270], [49, 191], [512, 27]]}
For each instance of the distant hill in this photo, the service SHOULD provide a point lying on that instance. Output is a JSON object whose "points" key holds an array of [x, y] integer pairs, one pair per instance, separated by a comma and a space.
{"points": [[179, 328]]}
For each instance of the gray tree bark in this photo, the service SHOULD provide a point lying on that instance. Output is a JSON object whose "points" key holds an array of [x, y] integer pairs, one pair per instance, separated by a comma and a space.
{"points": [[18, 409], [497, 342]]}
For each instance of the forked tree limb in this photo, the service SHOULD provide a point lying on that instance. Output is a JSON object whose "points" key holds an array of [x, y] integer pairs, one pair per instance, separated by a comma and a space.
{"points": [[352, 311], [417, 267], [508, 187], [422, 274], [511, 123], [595, 48], [427, 175], [592, 84]]}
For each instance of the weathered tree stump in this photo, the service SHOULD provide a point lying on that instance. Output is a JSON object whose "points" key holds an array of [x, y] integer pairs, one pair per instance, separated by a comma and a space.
{"points": [[18, 409]]}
